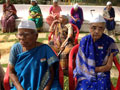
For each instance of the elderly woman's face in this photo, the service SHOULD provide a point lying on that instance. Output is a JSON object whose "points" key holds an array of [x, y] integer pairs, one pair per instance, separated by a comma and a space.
{"points": [[8, 1], [55, 3], [33, 3], [27, 37], [109, 7], [96, 30]]}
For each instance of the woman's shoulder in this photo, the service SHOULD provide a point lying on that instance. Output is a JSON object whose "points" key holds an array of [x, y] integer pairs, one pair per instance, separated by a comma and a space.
{"points": [[42, 45], [86, 37], [16, 45], [107, 38], [112, 8], [51, 6], [59, 6], [16, 48], [72, 8], [4, 5]]}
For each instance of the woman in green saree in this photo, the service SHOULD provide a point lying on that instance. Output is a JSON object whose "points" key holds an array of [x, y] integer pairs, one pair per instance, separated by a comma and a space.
{"points": [[35, 14]]}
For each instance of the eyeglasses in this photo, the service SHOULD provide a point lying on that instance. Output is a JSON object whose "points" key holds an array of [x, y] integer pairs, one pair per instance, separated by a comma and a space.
{"points": [[95, 28], [25, 34]]}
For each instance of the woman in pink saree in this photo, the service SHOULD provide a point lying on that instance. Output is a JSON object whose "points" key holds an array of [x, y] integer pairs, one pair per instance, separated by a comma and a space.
{"points": [[54, 12], [8, 18]]}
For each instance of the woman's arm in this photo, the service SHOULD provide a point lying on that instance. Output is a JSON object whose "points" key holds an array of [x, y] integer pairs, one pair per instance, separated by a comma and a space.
{"points": [[37, 14], [14, 78], [73, 18], [50, 10], [52, 26], [106, 67], [70, 34], [49, 84]]}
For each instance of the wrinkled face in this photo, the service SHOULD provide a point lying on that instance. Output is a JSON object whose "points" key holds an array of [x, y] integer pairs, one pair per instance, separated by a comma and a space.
{"points": [[55, 3], [8, 1], [96, 30], [109, 7], [33, 3], [26, 37]]}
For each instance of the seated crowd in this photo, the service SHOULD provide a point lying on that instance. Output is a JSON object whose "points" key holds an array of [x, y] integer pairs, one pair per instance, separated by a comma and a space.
{"points": [[35, 66]]}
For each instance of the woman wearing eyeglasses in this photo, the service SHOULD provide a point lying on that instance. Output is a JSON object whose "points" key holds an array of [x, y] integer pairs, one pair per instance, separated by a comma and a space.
{"points": [[32, 65], [94, 58]]}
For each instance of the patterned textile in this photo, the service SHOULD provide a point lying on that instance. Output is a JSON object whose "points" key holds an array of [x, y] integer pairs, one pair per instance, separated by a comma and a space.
{"points": [[59, 36], [32, 67], [90, 55], [110, 24], [54, 14], [77, 14], [8, 18], [38, 19]]}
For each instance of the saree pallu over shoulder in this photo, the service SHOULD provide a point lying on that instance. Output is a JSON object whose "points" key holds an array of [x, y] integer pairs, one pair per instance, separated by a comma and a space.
{"points": [[85, 61], [110, 24], [32, 68], [38, 19], [8, 18], [90, 55]]}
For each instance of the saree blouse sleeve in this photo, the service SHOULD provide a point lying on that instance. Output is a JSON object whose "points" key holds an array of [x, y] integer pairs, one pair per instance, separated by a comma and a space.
{"points": [[113, 49], [112, 13], [105, 13], [50, 10], [72, 11], [51, 56], [15, 49]]}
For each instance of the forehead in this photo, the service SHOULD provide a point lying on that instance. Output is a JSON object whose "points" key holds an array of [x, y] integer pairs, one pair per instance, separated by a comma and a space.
{"points": [[32, 1], [25, 30], [98, 24]]}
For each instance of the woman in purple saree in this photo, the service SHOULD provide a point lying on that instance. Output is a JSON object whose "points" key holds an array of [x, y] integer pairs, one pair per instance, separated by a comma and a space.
{"points": [[76, 16]]}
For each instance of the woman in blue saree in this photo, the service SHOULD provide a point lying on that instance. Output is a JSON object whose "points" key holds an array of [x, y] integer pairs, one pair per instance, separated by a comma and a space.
{"points": [[109, 15], [33, 65], [35, 14], [94, 58]]}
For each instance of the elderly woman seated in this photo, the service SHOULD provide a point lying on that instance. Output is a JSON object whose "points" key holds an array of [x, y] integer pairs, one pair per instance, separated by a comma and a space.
{"points": [[94, 58], [35, 14], [109, 16], [62, 34], [54, 12], [32, 65], [8, 18], [76, 15]]}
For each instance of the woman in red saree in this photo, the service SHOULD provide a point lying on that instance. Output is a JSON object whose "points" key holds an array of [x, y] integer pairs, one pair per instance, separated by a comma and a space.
{"points": [[8, 18]]}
